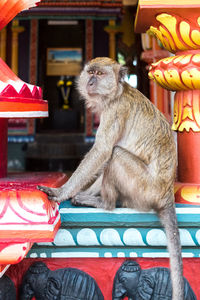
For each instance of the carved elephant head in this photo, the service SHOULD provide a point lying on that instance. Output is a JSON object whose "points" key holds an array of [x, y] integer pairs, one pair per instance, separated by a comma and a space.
{"points": [[61, 284], [34, 282], [7, 289], [126, 280]]}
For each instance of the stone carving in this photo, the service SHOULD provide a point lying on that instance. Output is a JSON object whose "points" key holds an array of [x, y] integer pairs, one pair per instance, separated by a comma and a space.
{"points": [[61, 284], [150, 284], [7, 289]]}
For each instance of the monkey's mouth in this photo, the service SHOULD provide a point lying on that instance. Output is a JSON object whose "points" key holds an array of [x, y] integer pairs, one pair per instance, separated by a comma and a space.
{"points": [[92, 93]]}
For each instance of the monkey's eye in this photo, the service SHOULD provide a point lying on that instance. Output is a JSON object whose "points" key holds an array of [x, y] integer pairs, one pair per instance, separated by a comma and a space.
{"points": [[90, 72], [99, 73]]}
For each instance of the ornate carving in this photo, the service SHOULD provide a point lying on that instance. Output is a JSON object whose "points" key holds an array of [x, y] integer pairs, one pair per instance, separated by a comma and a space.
{"points": [[177, 26], [25, 215], [176, 73], [177, 33], [181, 72], [187, 111], [135, 283], [66, 283], [7, 289]]}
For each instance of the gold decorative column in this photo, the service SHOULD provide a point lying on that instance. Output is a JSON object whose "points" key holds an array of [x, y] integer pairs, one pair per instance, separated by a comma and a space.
{"points": [[177, 26], [16, 29], [112, 29], [3, 34]]}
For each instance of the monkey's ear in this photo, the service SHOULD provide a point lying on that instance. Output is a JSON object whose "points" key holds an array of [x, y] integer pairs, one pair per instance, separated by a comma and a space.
{"points": [[122, 73]]}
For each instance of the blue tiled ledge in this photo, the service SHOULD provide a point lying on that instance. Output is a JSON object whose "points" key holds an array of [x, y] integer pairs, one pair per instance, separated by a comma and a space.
{"points": [[90, 232]]}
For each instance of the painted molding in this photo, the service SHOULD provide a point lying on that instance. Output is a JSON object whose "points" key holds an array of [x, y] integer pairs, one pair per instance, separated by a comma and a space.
{"points": [[90, 232]]}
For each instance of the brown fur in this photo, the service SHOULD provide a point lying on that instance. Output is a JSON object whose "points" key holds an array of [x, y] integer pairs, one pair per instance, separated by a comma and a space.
{"points": [[133, 158]]}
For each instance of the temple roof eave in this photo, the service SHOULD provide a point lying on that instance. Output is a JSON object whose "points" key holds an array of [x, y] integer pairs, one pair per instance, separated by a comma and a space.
{"points": [[70, 12]]}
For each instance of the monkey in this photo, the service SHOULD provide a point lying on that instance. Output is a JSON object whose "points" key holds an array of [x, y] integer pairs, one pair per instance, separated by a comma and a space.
{"points": [[133, 158]]}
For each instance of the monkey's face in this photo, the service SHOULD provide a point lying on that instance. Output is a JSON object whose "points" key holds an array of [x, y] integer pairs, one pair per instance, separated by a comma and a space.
{"points": [[98, 80]]}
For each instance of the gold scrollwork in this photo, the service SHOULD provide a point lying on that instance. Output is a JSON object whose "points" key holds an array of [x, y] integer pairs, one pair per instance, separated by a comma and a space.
{"points": [[177, 34], [187, 111], [177, 72]]}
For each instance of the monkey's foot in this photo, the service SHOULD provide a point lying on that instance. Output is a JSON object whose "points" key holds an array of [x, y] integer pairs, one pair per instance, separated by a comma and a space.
{"points": [[54, 194], [84, 199]]}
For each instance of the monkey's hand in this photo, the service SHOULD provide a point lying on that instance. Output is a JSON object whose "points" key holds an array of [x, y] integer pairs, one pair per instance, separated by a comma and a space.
{"points": [[54, 194]]}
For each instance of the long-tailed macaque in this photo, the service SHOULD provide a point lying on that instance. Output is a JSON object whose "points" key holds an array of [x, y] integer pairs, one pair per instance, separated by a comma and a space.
{"points": [[132, 160]]}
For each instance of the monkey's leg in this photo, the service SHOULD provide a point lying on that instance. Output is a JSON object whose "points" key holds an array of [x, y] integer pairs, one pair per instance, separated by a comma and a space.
{"points": [[91, 196], [127, 177], [95, 188], [123, 172], [87, 200]]}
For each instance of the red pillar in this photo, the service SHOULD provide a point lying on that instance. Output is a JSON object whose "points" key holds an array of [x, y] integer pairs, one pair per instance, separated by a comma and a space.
{"points": [[89, 56], [3, 146], [158, 95], [189, 157]]}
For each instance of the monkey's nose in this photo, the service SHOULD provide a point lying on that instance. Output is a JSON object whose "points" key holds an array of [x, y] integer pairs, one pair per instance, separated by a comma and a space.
{"points": [[92, 80]]}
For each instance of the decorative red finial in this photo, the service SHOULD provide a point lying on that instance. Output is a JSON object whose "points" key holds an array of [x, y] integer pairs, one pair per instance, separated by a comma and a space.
{"points": [[10, 8]]}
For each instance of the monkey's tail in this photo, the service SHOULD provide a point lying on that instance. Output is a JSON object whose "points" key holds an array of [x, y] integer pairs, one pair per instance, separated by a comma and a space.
{"points": [[169, 221]]}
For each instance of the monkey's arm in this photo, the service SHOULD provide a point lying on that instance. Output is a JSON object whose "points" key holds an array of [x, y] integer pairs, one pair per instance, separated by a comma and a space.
{"points": [[108, 134]]}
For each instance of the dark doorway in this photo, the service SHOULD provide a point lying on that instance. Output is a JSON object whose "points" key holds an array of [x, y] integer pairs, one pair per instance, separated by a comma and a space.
{"points": [[60, 34]]}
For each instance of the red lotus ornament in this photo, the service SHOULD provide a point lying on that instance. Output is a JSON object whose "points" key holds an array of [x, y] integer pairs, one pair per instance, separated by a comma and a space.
{"points": [[10, 8]]}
